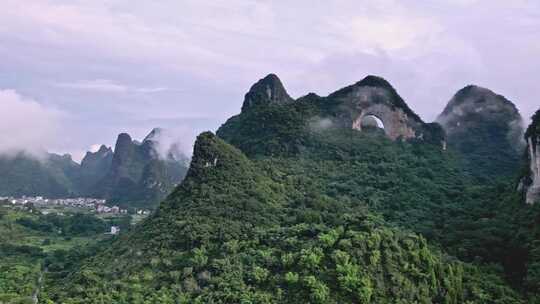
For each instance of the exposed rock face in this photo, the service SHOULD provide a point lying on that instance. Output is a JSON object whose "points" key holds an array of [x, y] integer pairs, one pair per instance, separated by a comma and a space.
{"points": [[374, 96], [274, 117], [532, 193], [473, 105], [530, 183], [265, 91], [486, 128], [142, 172], [94, 167]]}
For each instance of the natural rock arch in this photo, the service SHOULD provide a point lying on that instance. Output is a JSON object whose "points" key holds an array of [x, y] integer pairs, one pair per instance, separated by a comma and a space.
{"points": [[368, 121], [361, 101], [395, 121], [348, 106]]}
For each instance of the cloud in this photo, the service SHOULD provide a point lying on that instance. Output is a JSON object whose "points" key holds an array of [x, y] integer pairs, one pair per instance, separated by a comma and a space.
{"points": [[25, 125], [108, 86], [318, 124], [173, 142], [112, 64]]}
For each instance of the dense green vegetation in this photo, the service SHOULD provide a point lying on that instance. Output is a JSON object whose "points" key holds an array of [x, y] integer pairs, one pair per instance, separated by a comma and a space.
{"points": [[30, 242], [22, 174], [284, 206], [78, 224], [486, 129], [485, 155], [302, 228]]}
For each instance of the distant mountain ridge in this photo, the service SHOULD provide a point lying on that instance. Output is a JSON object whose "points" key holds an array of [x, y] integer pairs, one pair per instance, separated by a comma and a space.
{"points": [[138, 173], [133, 174], [52, 175], [94, 167]]}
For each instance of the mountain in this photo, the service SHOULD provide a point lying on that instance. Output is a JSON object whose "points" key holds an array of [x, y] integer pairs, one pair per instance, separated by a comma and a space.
{"points": [[297, 202], [267, 90], [49, 175], [94, 167], [278, 126], [134, 174], [486, 128], [138, 174]]}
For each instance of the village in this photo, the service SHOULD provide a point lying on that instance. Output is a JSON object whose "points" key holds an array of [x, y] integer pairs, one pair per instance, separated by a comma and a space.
{"points": [[94, 205]]}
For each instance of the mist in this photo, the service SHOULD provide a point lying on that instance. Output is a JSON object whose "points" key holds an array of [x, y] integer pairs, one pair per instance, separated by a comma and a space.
{"points": [[26, 125], [318, 124], [173, 142]]}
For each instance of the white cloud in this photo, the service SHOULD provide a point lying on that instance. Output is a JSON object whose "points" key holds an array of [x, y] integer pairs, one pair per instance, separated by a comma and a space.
{"points": [[117, 62], [176, 141], [102, 85], [108, 86], [25, 125]]}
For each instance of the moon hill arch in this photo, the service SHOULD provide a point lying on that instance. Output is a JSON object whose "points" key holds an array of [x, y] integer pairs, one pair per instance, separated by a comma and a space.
{"points": [[349, 107]]}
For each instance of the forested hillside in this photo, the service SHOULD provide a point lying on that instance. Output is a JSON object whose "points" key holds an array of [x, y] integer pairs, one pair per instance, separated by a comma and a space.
{"points": [[299, 210], [487, 130], [32, 244], [51, 175]]}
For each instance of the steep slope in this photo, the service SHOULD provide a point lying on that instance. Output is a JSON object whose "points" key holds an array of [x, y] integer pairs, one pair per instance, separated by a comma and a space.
{"points": [[486, 128], [523, 212], [307, 210], [238, 230], [265, 91], [530, 183], [94, 167], [51, 175], [138, 174], [280, 127]]}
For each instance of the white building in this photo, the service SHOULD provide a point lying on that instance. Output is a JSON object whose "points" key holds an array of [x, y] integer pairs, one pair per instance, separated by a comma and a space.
{"points": [[115, 230]]}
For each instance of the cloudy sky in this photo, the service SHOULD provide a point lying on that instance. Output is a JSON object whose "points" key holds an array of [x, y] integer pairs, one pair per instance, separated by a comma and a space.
{"points": [[75, 73]]}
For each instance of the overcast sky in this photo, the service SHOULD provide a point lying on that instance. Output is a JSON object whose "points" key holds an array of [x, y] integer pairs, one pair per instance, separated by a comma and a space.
{"points": [[75, 73]]}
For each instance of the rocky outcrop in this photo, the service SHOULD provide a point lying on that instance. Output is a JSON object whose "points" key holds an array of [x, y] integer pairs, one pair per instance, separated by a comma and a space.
{"points": [[142, 171], [375, 97], [94, 167], [486, 129], [281, 124], [474, 105], [530, 182], [532, 189], [268, 90]]}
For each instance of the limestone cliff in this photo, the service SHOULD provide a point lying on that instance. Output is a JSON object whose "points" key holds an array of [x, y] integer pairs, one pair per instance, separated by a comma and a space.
{"points": [[273, 123], [94, 167], [142, 173], [265, 91], [374, 97], [530, 182]]}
